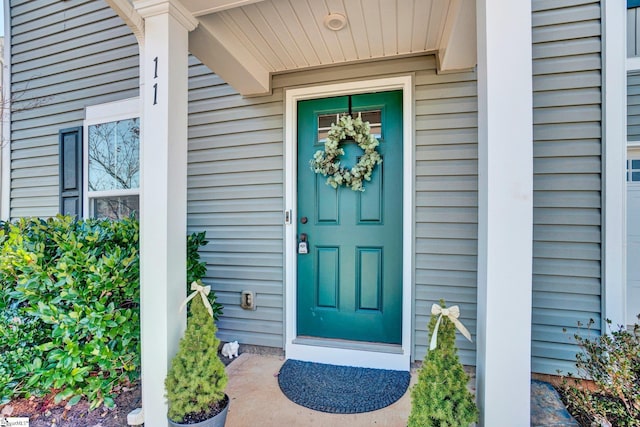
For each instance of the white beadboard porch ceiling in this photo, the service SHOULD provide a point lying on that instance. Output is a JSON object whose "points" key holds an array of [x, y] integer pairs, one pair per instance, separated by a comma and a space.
{"points": [[247, 41]]}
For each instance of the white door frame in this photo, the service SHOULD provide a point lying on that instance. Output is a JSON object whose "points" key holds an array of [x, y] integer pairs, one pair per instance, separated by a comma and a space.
{"points": [[369, 356]]}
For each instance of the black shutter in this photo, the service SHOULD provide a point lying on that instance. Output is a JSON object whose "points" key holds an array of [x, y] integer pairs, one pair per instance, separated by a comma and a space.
{"points": [[70, 152]]}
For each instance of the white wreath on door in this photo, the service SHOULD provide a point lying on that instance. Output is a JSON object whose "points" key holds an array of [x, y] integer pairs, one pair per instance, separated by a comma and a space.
{"points": [[327, 163]]}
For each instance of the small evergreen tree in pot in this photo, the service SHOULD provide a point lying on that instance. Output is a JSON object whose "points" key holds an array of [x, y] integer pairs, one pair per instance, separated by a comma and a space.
{"points": [[441, 398], [197, 378]]}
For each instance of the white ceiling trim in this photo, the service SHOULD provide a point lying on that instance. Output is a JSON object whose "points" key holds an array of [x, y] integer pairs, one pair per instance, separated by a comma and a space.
{"points": [[130, 16], [215, 46], [457, 50], [205, 7], [149, 8]]}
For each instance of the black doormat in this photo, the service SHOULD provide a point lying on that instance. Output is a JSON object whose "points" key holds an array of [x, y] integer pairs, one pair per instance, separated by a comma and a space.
{"points": [[341, 389]]}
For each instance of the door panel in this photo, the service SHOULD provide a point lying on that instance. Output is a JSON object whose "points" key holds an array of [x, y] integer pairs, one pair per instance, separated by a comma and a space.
{"points": [[368, 281], [350, 282]]}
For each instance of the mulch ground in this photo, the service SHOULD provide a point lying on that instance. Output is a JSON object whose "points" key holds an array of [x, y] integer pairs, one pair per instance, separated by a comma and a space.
{"points": [[43, 412]]}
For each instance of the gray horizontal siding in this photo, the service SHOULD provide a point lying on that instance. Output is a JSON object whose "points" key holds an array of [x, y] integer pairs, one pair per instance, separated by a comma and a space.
{"points": [[236, 193], [633, 107], [65, 56], [446, 201], [84, 55], [567, 177]]}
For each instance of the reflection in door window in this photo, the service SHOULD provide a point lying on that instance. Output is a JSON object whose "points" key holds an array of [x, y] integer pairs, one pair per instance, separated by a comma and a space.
{"points": [[633, 170], [374, 117]]}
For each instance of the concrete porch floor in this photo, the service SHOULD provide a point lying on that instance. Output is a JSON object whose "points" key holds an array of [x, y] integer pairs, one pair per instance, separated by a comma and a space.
{"points": [[256, 400]]}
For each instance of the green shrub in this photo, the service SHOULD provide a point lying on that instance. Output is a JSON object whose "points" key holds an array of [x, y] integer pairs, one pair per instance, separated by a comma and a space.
{"points": [[73, 287], [197, 378], [441, 398], [196, 269], [69, 306], [18, 333], [612, 362]]}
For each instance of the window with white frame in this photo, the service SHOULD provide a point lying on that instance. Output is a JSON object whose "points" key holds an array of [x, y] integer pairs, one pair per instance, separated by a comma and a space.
{"points": [[112, 160]]}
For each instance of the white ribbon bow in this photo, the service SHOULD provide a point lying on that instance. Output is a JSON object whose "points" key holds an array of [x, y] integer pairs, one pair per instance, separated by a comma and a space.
{"points": [[203, 291], [452, 313]]}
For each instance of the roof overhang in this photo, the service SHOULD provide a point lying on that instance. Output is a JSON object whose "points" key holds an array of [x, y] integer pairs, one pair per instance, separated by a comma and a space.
{"points": [[245, 42]]}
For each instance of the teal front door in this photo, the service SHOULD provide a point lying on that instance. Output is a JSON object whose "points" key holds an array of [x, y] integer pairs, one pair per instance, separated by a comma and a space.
{"points": [[349, 284]]}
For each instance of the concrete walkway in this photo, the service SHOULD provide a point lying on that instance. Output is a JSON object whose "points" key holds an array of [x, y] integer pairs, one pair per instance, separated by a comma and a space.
{"points": [[256, 400]]}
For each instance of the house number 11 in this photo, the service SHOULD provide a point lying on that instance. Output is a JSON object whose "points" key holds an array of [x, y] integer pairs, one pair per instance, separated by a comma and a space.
{"points": [[155, 85]]}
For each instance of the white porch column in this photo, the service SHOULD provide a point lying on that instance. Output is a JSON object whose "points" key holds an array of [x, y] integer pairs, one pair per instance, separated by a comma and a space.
{"points": [[615, 156], [505, 186], [163, 194]]}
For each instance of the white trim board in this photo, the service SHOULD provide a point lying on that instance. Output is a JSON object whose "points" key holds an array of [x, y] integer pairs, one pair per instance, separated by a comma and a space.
{"points": [[614, 84], [342, 356], [633, 63], [112, 111], [5, 141]]}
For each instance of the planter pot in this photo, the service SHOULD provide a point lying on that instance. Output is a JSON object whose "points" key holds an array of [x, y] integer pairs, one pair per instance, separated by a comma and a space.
{"points": [[216, 421]]}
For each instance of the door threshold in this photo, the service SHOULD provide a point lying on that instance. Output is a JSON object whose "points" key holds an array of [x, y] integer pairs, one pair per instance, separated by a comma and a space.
{"points": [[350, 345], [349, 353]]}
